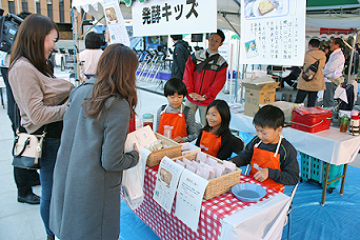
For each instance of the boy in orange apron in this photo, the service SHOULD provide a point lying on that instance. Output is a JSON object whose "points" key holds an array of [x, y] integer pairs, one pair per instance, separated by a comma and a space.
{"points": [[179, 119], [272, 158], [215, 138]]}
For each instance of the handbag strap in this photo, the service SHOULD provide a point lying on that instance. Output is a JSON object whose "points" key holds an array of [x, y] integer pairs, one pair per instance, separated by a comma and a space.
{"points": [[17, 122], [27, 141]]}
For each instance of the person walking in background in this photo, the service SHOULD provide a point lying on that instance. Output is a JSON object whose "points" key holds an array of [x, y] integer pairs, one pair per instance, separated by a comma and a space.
{"points": [[89, 57], [317, 83], [205, 75], [180, 56], [88, 172], [39, 95], [333, 72], [24, 178]]}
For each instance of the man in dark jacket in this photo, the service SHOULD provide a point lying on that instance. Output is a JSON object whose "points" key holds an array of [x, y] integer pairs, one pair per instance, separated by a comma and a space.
{"points": [[180, 56]]}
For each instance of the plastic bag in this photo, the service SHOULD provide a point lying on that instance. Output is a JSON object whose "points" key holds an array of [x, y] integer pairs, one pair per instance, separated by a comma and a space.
{"points": [[133, 181]]}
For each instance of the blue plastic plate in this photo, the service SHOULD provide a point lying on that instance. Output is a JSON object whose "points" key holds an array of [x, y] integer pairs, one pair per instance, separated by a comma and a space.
{"points": [[248, 192]]}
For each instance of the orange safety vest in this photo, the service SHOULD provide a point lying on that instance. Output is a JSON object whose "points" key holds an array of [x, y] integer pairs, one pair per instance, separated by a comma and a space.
{"points": [[266, 159], [210, 143], [176, 120]]}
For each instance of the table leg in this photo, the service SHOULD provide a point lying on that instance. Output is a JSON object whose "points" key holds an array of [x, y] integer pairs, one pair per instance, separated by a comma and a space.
{"points": [[343, 180], [325, 183]]}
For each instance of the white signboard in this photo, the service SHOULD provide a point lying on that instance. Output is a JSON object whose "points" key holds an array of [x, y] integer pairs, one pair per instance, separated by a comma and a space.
{"points": [[189, 198], [164, 17], [166, 183], [115, 22], [273, 32]]}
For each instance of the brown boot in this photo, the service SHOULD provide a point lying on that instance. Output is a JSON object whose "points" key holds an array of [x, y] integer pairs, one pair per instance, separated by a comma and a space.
{"points": [[50, 237]]}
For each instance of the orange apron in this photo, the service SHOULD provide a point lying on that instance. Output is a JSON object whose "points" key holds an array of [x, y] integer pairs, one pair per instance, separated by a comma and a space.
{"points": [[176, 120], [210, 143], [266, 159]]}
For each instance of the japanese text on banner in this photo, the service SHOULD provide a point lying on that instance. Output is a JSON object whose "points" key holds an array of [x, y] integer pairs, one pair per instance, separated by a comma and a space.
{"points": [[174, 17]]}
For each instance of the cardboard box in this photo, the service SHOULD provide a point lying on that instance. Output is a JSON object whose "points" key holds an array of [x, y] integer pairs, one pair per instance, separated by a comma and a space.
{"points": [[286, 107], [258, 92]]}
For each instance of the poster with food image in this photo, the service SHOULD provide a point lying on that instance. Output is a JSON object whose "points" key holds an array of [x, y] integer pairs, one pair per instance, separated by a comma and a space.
{"points": [[115, 23], [166, 183], [266, 8], [273, 32]]}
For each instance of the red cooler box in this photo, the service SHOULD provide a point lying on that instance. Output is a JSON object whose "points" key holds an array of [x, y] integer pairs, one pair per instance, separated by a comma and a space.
{"points": [[311, 119]]}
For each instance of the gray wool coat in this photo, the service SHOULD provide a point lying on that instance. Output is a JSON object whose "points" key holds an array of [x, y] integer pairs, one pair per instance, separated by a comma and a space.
{"points": [[85, 202]]}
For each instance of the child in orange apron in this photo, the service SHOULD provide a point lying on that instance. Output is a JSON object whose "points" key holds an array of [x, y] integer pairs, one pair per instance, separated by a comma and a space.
{"points": [[179, 118], [215, 138], [272, 158]]}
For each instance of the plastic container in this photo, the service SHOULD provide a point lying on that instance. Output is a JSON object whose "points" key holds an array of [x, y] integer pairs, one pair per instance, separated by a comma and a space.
{"points": [[313, 170], [344, 124], [354, 123], [148, 119], [168, 131], [311, 119]]}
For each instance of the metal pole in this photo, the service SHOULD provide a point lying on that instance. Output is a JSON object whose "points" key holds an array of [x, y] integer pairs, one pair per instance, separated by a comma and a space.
{"points": [[351, 57], [76, 44]]}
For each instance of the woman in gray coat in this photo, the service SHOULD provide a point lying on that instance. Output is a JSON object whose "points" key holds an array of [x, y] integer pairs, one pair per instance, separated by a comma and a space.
{"points": [[88, 172]]}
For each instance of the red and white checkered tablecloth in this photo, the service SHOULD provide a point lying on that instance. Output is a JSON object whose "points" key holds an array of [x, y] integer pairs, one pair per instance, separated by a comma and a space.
{"points": [[167, 226]]}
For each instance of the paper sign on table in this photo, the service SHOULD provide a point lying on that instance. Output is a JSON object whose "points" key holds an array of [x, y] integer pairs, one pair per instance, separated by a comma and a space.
{"points": [[166, 183], [189, 198]]}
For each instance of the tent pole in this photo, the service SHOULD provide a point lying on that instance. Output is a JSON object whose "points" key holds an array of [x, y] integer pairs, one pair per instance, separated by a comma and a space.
{"points": [[233, 28], [351, 57], [76, 45]]}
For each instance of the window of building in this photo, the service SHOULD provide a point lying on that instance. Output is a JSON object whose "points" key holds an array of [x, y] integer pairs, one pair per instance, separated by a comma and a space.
{"points": [[11, 5], [37, 6], [50, 9], [61, 11], [24, 5]]}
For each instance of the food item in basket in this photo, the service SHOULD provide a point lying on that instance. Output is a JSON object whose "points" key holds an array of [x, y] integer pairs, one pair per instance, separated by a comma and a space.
{"points": [[155, 146], [265, 7]]}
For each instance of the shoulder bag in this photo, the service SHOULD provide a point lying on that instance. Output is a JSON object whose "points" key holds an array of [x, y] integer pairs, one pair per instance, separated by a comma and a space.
{"points": [[27, 149]]}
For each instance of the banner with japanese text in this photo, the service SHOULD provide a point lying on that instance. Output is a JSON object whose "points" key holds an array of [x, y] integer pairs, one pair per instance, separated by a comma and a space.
{"points": [[273, 32], [165, 17]]}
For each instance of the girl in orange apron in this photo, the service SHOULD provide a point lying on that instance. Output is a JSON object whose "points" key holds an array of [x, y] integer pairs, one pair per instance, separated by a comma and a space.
{"points": [[210, 143], [176, 121], [266, 159]]}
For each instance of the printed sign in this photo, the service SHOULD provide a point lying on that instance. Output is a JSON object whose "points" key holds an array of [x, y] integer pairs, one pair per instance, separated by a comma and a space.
{"points": [[273, 32], [158, 17]]}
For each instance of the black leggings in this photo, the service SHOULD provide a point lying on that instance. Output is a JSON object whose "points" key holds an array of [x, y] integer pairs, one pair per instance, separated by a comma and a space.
{"points": [[301, 94]]}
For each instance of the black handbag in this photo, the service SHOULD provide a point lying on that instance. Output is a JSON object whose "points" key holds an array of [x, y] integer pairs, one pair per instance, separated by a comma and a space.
{"points": [[27, 149]]}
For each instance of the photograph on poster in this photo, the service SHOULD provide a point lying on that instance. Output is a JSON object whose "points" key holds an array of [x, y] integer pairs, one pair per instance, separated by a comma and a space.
{"points": [[255, 9], [251, 50], [111, 15], [165, 176]]}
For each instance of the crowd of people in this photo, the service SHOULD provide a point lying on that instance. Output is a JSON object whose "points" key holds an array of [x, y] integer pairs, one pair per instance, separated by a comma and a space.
{"points": [[96, 114]]}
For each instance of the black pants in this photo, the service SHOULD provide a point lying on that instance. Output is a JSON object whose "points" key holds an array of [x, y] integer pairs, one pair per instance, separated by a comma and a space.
{"points": [[301, 94], [290, 80], [23, 178]]}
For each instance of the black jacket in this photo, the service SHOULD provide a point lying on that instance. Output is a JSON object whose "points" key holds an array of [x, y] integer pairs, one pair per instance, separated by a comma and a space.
{"points": [[180, 56]]}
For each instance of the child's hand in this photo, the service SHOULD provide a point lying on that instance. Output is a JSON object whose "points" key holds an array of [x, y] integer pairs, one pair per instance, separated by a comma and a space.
{"points": [[262, 174], [179, 140]]}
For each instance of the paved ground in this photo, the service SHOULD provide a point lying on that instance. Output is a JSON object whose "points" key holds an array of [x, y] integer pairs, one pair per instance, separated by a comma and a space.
{"points": [[20, 221]]}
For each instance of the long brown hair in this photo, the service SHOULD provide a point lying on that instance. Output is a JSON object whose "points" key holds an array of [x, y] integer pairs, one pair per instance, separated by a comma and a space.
{"points": [[116, 73], [29, 42]]}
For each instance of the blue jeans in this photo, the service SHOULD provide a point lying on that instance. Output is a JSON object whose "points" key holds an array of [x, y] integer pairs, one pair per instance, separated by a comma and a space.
{"points": [[48, 160], [328, 100]]}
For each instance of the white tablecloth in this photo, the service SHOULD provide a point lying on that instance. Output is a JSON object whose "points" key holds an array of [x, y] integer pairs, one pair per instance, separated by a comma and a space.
{"points": [[330, 146], [264, 220]]}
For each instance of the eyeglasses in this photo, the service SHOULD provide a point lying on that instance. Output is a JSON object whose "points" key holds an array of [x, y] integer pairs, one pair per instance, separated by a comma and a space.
{"points": [[213, 39]]}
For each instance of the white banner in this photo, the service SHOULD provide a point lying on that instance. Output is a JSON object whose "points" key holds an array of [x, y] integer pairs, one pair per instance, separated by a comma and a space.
{"points": [[273, 32], [165, 17], [115, 22]]}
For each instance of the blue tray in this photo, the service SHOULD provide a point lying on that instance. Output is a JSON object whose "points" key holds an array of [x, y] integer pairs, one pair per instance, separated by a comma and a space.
{"points": [[248, 192]]}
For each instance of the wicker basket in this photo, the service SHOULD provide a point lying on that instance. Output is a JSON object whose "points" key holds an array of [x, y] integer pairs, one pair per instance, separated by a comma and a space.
{"points": [[219, 185], [173, 149]]}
